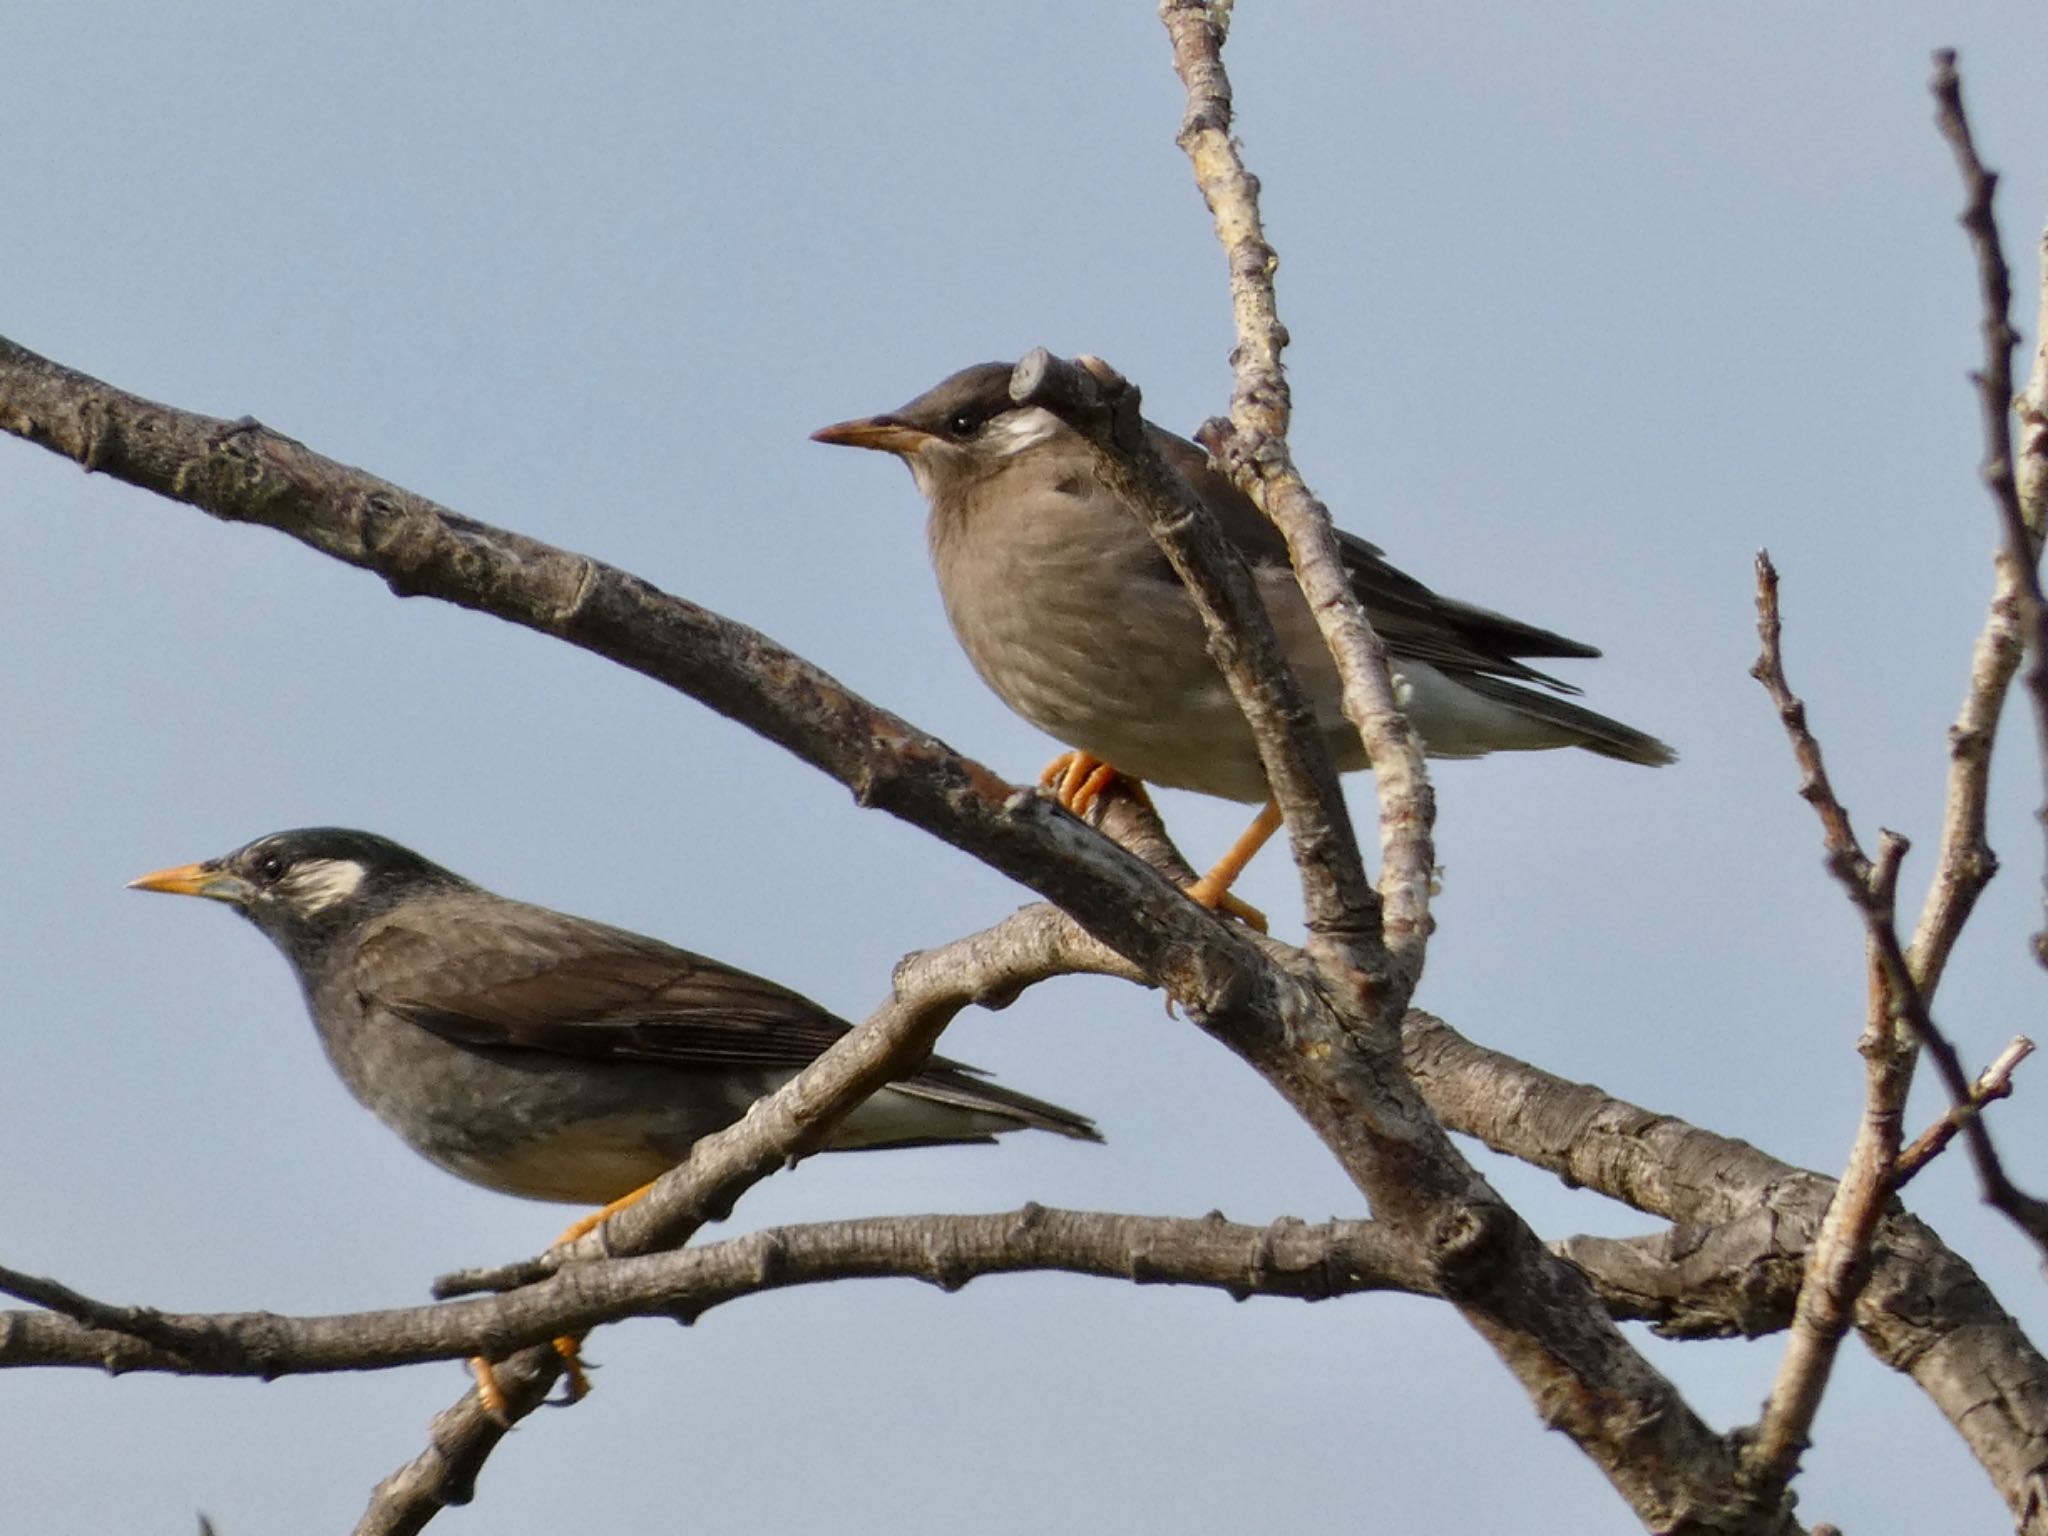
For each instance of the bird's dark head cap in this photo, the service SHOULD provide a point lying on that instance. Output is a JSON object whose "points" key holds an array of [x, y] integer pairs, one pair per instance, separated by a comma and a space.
{"points": [[963, 425], [307, 877]]}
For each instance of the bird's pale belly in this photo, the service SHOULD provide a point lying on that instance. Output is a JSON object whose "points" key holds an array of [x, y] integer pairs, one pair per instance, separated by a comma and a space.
{"points": [[1202, 744], [1158, 711]]}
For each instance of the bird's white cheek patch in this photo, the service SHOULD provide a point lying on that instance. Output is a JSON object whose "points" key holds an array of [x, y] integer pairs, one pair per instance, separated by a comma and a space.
{"points": [[1014, 431], [318, 884]]}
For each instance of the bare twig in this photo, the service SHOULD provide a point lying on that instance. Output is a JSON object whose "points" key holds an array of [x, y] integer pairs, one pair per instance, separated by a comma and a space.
{"points": [[1867, 891], [1845, 857], [1838, 1265], [2020, 557], [144, 1325], [1253, 449], [1993, 1083]]}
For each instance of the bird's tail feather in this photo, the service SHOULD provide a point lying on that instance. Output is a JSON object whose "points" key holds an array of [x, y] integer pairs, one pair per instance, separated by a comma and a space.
{"points": [[947, 1082], [1591, 730]]}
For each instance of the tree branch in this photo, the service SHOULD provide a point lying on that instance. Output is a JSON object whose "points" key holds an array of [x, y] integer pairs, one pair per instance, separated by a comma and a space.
{"points": [[2020, 558], [244, 473], [1993, 1083], [1905, 1000], [1286, 1259], [1252, 448], [1838, 1264], [1924, 1313]]}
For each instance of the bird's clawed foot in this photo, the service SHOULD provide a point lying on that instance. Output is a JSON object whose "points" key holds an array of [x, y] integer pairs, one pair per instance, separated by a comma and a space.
{"points": [[575, 1381], [1077, 780], [575, 1375]]}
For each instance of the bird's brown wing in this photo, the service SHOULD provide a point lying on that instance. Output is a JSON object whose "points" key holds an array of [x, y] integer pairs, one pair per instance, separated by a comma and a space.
{"points": [[495, 974], [1413, 620], [486, 972]]}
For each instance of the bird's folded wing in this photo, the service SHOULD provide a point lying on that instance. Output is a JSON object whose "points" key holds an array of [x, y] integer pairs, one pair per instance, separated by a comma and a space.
{"points": [[519, 978], [1413, 620]]}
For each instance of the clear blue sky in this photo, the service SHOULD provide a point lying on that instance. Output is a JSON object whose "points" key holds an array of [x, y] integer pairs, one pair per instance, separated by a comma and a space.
{"points": [[1590, 301]]}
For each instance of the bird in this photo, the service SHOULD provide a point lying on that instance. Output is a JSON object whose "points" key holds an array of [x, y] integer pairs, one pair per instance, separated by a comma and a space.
{"points": [[1071, 614], [543, 1055]]}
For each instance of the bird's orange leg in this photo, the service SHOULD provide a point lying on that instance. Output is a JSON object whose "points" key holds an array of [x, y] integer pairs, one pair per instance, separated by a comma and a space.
{"points": [[583, 1226], [575, 1381], [1213, 889], [1078, 779]]}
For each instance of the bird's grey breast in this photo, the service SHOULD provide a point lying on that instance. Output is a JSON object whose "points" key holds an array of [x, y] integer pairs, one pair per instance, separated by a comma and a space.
{"points": [[1069, 612]]}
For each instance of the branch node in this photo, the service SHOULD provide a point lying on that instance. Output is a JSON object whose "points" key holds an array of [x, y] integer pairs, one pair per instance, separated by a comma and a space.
{"points": [[1469, 1243]]}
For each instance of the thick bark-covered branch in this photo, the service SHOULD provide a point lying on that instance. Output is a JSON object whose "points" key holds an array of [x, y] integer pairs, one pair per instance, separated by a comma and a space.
{"points": [[243, 472], [1286, 1258], [1924, 1312]]}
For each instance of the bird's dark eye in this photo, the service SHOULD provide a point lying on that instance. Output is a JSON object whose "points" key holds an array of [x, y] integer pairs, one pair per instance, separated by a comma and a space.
{"points": [[963, 424], [271, 866]]}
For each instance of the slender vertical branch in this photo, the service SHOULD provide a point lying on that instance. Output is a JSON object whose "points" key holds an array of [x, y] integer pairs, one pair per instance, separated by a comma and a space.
{"points": [[1908, 1003], [2019, 559], [1253, 449], [1838, 1265]]}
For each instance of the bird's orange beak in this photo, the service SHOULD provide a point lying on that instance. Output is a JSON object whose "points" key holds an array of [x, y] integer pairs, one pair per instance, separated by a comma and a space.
{"points": [[194, 880], [885, 434]]}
